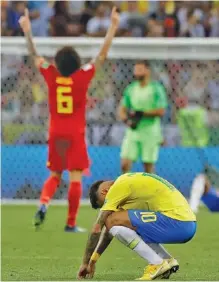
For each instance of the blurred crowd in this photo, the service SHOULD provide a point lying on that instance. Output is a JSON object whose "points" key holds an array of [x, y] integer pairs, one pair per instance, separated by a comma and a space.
{"points": [[24, 98], [92, 18]]}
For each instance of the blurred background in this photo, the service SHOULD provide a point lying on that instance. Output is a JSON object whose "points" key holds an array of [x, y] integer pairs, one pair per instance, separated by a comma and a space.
{"points": [[188, 83], [91, 18]]}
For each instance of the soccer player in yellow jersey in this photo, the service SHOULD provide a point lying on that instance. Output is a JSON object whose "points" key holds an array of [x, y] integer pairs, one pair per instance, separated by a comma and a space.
{"points": [[142, 211]]}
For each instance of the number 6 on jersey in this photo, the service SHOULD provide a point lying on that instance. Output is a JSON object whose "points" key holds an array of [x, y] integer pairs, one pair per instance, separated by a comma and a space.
{"points": [[64, 102]]}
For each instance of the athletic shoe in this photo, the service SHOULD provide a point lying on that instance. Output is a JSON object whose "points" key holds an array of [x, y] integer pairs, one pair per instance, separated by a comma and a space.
{"points": [[153, 271], [174, 265], [40, 216], [75, 229]]}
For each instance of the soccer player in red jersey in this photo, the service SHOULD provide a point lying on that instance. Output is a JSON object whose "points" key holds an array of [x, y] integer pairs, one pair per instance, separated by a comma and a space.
{"points": [[67, 83]]}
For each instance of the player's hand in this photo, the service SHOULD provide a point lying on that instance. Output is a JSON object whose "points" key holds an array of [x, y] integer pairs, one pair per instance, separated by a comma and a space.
{"points": [[132, 114], [136, 114], [91, 269], [83, 272], [115, 18], [129, 123], [24, 22]]}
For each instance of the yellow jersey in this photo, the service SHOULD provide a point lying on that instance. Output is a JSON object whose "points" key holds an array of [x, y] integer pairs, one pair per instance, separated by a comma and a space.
{"points": [[149, 192]]}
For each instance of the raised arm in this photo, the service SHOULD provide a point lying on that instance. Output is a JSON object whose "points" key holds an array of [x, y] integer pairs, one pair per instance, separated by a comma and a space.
{"points": [[101, 57], [25, 24]]}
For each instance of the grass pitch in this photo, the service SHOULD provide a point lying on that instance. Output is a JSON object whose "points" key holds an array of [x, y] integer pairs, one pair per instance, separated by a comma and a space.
{"points": [[51, 254]]}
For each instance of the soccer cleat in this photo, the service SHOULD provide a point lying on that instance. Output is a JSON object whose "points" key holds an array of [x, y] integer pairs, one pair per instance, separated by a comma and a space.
{"points": [[174, 265], [153, 271], [75, 229], [40, 216]]}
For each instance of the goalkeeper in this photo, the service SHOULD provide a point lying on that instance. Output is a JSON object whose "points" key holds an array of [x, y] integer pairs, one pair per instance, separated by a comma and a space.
{"points": [[143, 104]]}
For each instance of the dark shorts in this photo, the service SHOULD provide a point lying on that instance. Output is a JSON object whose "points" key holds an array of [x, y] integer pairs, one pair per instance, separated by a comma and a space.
{"points": [[154, 227]]}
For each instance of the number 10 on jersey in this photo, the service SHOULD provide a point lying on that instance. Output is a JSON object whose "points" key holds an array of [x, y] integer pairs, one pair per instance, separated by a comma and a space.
{"points": [[64, 100]]}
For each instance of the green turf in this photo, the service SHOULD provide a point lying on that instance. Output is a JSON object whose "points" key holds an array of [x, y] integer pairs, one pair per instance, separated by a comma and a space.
{"points": [[51, 254]]}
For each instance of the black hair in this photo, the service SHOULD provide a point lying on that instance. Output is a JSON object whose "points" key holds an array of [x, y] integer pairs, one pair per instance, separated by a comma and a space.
{"points": [[93, 193], [67, 60], [153, 16], [143, 62]]}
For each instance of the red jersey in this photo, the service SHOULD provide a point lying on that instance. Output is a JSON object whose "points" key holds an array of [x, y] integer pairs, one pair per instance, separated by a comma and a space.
{"points": [[67, 99]]}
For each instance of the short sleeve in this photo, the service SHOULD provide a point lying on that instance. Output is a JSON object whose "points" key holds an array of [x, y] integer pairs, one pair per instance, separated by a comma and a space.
{"points": [[125, 102], [87, 73], [47, 70], [160, 98], [117, 194]]}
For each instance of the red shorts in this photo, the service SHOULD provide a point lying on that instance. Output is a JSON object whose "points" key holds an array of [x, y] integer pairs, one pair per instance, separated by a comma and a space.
{"points": [[67, 153]]}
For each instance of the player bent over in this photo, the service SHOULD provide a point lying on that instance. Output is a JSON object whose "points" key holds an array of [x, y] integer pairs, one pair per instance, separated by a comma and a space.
{"points": [[67, 83], [142, 211]]}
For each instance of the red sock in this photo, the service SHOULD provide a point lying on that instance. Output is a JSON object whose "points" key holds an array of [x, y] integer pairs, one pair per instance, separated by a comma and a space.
{"points": [[74, 196], [49, 189]]}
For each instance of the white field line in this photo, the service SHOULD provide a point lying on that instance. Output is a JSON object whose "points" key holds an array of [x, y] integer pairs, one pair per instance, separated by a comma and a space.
{"points": [[84, 202], [23, 202]]}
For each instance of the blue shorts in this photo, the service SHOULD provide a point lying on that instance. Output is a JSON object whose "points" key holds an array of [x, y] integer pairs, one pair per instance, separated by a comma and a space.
{"points": [[154, 227], [211, 200]]}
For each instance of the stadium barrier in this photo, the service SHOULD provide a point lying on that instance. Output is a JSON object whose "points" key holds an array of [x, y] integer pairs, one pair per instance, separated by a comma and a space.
{"points": [[186, 67], [24, 170], [123, 48]]}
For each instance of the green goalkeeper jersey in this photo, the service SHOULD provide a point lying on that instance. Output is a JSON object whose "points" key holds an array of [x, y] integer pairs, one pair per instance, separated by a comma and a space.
{"points": [[193, 127], [146, 98]]}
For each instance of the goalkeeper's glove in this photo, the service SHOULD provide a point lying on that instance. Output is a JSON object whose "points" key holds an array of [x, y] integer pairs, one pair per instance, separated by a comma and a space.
{"points": [[136, 114], [133, 119]]}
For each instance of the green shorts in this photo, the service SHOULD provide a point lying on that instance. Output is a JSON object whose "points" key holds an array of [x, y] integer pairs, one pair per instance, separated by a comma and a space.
{"points": [[133, 150]]}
